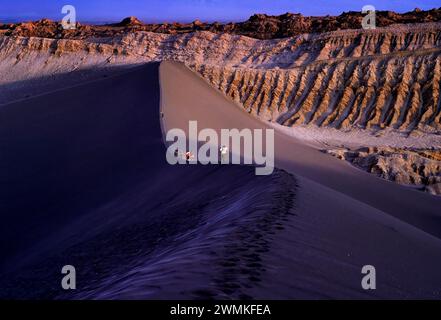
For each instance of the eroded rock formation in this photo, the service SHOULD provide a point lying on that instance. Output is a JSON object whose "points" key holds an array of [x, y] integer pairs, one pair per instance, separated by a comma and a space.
{"points": [[376, 79], [421, 168], [401, 92]]}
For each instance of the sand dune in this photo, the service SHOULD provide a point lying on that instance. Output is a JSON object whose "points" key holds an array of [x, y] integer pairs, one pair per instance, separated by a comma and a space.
{"points": [[340, 206], [85, 182], [198, 101]]}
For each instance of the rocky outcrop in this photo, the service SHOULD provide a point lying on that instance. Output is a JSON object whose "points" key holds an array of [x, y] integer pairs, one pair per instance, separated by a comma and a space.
{"points": [[238, 51], [421, 168], [259, 26], [129, 22], [371, 79]]}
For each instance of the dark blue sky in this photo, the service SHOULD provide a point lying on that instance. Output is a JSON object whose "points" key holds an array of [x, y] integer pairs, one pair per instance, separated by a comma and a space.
{"points": [[188, 10]]}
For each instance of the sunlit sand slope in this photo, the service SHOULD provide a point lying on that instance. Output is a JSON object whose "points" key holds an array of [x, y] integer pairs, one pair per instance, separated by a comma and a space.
{"points": [[345, 218]]}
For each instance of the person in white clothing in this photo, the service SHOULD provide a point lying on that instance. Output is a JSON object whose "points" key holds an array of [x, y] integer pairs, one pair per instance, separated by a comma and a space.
{"points": [[224, 153]]}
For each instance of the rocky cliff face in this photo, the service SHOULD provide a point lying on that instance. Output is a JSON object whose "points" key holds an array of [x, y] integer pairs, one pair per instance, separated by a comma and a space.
{"points": [[343, 79], [383, 78], [401, 92]]}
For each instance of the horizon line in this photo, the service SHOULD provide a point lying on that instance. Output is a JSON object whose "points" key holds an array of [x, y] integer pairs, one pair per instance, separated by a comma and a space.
{"points": [[175, 20]]}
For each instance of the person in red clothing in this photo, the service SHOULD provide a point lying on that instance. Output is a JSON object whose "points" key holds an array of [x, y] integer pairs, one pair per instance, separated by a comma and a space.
{"points": [[189, 156]]}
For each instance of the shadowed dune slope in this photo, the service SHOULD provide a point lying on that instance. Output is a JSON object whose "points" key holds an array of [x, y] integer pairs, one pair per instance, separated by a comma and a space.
{"points": [[84, 182]]}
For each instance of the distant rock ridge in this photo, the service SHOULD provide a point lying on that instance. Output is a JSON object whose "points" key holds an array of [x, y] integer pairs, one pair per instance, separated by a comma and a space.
{"points": [[128, 22], [259, 26]]}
